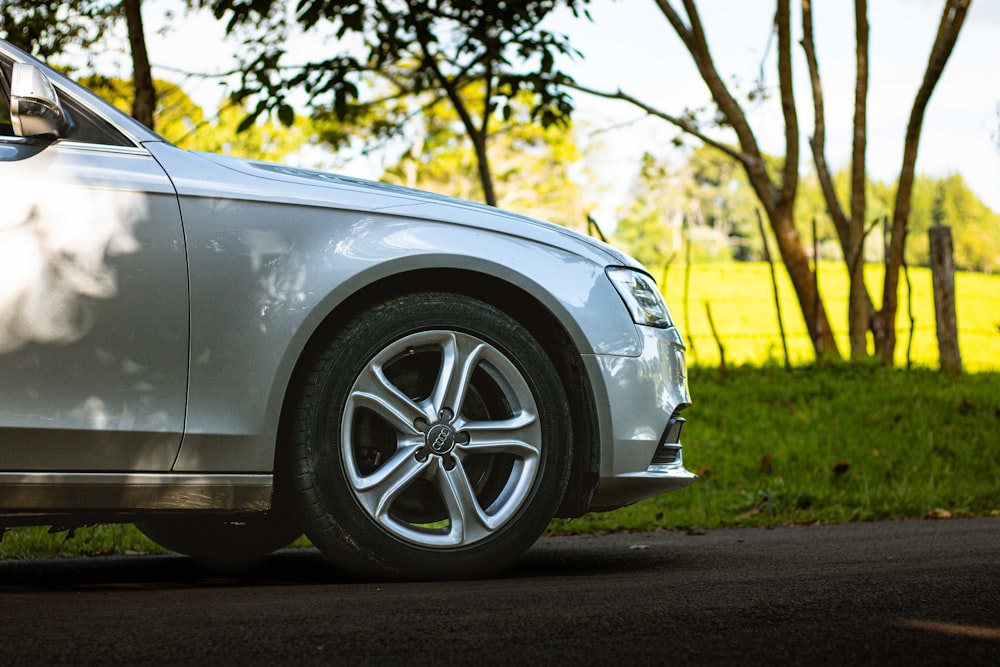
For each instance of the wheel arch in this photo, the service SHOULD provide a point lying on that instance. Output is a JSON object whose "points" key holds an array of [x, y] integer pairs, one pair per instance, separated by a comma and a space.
{"points": [[517, 302]]}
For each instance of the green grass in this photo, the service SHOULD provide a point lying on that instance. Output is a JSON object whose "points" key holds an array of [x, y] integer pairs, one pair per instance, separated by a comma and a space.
{"points": [[38, 541], [846, 443]]}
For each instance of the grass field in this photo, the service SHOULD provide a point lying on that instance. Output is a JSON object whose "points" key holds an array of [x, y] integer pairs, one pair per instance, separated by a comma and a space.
{"points": [[742, 305]]}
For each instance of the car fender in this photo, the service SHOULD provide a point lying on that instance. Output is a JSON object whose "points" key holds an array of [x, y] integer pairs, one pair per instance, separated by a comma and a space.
{"points": [[265, 275]]}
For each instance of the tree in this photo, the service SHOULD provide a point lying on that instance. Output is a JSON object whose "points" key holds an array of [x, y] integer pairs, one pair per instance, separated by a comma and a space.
{"points": [[777, 189], [945, 201], [650, 229], [478, 56], [49, 28], [142, 75], [531, 163], [975, 228], [721, 205]]}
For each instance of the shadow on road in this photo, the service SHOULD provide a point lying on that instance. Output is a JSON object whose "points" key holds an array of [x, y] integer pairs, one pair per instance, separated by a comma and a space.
{"points": [[297, 566]]}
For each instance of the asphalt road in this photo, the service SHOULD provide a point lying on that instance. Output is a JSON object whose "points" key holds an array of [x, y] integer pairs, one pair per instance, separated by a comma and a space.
{"points": [[914, 593]]}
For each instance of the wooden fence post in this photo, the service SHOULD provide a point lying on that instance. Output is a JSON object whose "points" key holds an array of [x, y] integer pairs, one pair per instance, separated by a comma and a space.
{"points": [[943, 271]]}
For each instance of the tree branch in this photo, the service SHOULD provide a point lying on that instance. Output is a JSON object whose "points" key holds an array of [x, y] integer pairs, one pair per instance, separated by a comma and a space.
{"points": [[684, 125], [818, 141], [790, 180], [860, 114], [478, 138], [697, 46]]}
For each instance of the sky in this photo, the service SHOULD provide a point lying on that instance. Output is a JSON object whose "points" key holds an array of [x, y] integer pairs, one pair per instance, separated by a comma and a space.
{"points": [[630, 46]]}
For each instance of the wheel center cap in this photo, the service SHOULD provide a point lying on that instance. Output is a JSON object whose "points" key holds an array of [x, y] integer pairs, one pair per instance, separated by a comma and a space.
{"points": [[440, 439]]}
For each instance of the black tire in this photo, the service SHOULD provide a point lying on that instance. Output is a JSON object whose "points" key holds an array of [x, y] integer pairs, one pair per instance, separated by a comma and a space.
{"points": [[402, 472], [223, 541]]}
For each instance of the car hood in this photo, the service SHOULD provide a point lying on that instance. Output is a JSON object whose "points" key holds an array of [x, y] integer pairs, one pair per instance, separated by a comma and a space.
{"points": [[311, 186]]}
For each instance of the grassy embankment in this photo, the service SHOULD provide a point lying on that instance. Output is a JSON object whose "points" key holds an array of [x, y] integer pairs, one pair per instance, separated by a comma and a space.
{"points": [[843, 443], [849, 443]]}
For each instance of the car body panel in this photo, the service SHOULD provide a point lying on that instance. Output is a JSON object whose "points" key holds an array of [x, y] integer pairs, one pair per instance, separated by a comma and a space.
{"points": [[655, 383], [93, 311], [38, 494]]}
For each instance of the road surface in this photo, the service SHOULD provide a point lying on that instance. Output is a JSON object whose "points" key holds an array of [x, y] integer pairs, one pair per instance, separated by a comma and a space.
{"points": [[914, 593]]}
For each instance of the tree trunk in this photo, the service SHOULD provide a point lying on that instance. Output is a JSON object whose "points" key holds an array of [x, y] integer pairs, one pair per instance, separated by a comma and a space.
{"points": [[858, 302], [797, 263], [943, 271], [142, 77], [884, 327], [478, 135], [483, 163]]}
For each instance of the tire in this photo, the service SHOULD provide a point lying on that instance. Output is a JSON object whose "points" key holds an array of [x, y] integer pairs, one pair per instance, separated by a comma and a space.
{"points": [[223, 541], [431, 441]]}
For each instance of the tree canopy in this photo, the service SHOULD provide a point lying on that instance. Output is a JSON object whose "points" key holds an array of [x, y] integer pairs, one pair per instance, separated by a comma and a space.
{"points": [[476, 88], [707, 195], [48, 28], [477, 56], [706, 201]]}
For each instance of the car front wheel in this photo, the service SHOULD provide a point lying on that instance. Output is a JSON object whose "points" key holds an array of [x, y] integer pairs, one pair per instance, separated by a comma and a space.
{"points": [[431, 440]]}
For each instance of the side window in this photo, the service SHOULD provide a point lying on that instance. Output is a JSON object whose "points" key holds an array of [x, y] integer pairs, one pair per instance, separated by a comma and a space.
{"points": [[88, 127], [6, 129]]}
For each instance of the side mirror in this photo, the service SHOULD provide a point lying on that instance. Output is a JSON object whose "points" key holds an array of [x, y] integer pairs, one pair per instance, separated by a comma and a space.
{"points": [[34, 106]]}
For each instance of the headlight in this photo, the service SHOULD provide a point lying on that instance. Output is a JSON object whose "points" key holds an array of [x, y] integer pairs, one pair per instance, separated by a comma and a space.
{"points": [[641, 297]]}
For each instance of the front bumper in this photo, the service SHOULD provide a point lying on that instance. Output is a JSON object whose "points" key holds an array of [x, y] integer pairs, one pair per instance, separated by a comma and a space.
{"points": [[641, 452]]}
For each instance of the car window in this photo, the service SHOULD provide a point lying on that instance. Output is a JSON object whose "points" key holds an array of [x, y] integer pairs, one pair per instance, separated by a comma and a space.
{"points": [[88, 127], [6, 129]]}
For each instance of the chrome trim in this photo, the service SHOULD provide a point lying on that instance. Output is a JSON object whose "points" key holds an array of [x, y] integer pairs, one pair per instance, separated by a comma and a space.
{"points": [[125, 492], [28, 141], [103, 148], [139, 150], [626, 489]]}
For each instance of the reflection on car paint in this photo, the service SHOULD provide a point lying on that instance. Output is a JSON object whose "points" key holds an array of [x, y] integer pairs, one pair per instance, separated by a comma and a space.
{"points": [[54, 255]]}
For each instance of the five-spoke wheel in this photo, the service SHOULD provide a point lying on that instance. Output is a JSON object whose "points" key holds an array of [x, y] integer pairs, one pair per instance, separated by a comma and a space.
{"points": [[432, 440]]}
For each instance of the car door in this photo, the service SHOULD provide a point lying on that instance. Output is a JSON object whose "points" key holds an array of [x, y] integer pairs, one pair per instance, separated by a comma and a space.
{"points": [[93, 301]]}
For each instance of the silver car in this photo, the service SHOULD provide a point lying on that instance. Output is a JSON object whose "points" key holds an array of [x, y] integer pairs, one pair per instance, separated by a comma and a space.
{"points": [[230, 353]]}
